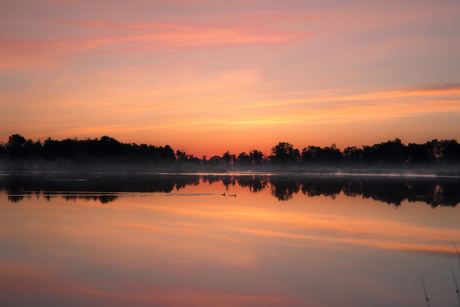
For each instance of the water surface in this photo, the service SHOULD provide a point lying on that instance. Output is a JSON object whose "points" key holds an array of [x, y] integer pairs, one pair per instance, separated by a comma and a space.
{"points": [[158, 240]]}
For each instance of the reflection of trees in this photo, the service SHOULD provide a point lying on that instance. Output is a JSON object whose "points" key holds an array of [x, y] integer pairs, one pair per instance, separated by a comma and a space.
{"points": [[182, 181], [283, 189], [254, 183], [212, 178], [314, 187], [104, 187], [389, 191], [433, 191], [103, 199], [446, 194], [15, 198], [228, 181], [436, 192]]}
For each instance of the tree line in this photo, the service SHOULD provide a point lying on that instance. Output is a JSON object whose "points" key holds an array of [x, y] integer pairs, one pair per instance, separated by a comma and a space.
{"points": [[98, 153]]}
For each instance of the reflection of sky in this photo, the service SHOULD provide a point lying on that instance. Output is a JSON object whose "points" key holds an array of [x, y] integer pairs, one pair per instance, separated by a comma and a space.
{"points": [[251, 250]]}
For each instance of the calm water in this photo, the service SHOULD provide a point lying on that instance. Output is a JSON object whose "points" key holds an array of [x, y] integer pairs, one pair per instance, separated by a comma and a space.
{"points": [[144, 240]]}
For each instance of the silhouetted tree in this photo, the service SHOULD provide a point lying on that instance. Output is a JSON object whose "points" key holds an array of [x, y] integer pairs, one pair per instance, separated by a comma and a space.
{"points": [[450, 151], [166, 153], [435, 150], [95, 153], [327, 155], [16, 140], [330, 155], [2, 148], [284, 153], [256, 156], [418, 153], [108, 146], [308, 154], [181, 155], [352, 154], [244, 159], [215, 160], [392, 152], [227, 158], [16, 146]]}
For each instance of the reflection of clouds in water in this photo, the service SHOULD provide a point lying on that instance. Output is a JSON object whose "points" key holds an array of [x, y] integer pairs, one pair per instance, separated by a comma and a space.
{"points": [[320, 230], [151, 249], [28, 279]]}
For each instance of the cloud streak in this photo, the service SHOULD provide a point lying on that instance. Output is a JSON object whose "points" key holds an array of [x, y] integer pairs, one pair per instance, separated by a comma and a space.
{"points": [[137, 37]]}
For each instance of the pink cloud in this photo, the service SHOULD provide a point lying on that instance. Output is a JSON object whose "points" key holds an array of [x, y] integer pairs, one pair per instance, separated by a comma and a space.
{"points": [[24, 55], [131, 37], [156, 36]]}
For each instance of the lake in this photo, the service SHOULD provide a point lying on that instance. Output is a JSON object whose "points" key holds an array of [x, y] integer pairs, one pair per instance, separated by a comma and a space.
{"points": [[71, 239]]}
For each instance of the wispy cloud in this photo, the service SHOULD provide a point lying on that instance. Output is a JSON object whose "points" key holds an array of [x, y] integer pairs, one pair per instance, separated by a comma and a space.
{"points": [[377, 105], [25, 55], [135, 37]]}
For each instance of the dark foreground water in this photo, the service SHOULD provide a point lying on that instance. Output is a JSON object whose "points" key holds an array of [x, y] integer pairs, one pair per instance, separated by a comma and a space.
{"points": [[160, 240]]}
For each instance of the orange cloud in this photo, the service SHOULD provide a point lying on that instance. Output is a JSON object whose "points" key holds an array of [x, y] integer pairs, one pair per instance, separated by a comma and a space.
{"points": [[371, 106]]}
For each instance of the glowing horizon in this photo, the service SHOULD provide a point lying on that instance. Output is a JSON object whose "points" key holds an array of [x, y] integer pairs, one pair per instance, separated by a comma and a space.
{"points": [[213, 76]]}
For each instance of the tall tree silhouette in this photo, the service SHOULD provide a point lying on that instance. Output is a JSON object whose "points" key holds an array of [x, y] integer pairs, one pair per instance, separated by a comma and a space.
{"points": [[256, 156], [284, 153]]}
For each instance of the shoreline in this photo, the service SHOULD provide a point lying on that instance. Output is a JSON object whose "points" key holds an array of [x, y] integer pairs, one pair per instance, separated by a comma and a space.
{"points": [[323, 174]]}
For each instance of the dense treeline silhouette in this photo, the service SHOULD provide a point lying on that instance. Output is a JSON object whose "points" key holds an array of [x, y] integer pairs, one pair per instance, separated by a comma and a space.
{"points": [[19, 153], [107, 153], [106, 188]]}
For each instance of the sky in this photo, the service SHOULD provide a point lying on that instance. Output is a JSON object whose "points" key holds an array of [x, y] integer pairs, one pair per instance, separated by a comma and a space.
{"points": [[211, 76]]}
